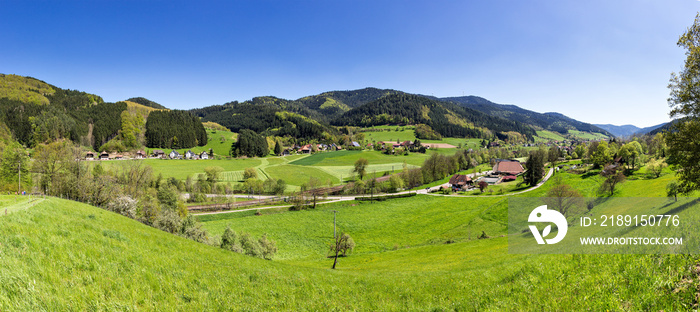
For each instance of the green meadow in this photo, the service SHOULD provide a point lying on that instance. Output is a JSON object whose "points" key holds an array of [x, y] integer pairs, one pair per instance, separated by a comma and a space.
{"points": [[412, 254]]}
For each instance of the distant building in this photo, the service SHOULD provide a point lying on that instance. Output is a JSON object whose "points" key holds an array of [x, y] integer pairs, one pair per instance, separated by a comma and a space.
{"points": [[189, 154], [204, 155], [158, 153], [104, 156], [508, 167], [89, 156], [174, 155], [118, 157], [459, 181], [140, 155]]}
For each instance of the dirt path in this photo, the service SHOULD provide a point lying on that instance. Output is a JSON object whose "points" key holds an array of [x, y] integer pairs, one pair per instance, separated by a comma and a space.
{"points": [[24, 202]]}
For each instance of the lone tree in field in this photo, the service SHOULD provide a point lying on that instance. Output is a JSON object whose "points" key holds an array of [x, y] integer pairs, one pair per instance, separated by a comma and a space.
{"points": [[672, 190], [683, 141], [613, 176], [342, 245], [482, 186], [562, 197], [360, 167]]}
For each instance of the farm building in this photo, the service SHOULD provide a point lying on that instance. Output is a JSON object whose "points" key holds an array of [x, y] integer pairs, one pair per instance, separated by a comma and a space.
{"points": [[89, 156], [158, 154], [104, 156], [508, 167], [140, 154], [459, 181]]}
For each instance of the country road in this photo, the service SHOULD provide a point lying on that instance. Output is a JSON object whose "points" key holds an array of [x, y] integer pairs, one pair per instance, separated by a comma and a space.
{"points": [[335, 199]]}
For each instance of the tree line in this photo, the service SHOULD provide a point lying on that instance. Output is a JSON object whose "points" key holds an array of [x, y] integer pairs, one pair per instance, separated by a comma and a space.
{"points": [[174, 129]]}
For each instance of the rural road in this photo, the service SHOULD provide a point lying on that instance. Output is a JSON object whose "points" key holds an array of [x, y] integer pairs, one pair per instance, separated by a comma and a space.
{"points": [[335, 199]]}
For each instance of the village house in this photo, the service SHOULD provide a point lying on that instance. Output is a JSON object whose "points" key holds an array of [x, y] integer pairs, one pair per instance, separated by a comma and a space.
{"points": [[104, 156], [90, 156], [460, 181], [118, 157], [140, 154], [174, 155], [158, 154], [189, 154], [306, 149], [204, 155]]}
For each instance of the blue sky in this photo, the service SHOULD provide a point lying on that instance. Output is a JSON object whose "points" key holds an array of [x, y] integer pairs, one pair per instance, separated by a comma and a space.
{"points": [[596, 61]]}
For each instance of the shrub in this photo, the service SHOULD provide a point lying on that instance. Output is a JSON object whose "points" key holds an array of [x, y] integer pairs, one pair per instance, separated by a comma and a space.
{"points": [[169, 221], [123, 205]]}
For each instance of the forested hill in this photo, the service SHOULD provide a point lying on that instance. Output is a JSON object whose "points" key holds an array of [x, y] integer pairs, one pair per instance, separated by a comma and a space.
{"points": [[547, 121], [146, 102], [447, 119], [334, 103], [268, 115], [37, 112]]}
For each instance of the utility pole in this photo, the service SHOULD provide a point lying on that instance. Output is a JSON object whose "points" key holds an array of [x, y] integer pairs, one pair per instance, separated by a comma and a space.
{"points": [[334, 235]]}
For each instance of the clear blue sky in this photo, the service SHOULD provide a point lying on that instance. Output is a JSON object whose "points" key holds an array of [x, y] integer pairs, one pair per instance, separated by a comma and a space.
{"points": [[596, 61]]}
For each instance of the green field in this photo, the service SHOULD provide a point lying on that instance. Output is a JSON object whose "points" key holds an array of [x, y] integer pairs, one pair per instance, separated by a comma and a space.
{"points": [[546, 136], [180, 169], [405, 133], [348, 158], [587, 135], [218, 140], [418, 253]]}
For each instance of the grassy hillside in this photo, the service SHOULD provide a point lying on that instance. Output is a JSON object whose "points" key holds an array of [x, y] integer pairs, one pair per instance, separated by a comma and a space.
{"points": [[412, 254]]}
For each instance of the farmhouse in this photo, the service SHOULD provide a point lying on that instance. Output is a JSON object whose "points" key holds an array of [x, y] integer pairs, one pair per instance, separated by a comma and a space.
{"points": [[158, 154], [104, 156], [140, 154], [174, 155], [90, 156], [204, 155], [508, 167], [118, 157], [460, 181]]}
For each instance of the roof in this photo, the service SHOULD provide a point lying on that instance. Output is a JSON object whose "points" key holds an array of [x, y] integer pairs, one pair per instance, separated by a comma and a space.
{"points": [[508, 166], [460, 179]]}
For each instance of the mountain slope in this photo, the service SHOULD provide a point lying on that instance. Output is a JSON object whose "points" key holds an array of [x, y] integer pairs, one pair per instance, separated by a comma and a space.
{"points": [[334, 103], [628, 130], [548, 121], [270, 115], [447, 119]]}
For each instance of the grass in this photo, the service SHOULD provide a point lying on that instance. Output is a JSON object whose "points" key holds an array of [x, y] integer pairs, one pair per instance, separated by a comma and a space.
{"points": [[348, 158], [218, 140], [587, 135], [298, 175], [546, 136], [417, 253], [180, 169]]}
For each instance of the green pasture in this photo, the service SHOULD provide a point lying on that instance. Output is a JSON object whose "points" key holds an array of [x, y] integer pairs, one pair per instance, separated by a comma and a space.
{"points": [[412, 254]]}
